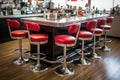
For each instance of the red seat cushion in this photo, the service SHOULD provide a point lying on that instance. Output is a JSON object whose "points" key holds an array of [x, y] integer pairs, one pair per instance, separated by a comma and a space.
{"points": [[38, 37], [64, 39], [97, 31], [19, 33], [106, 27], [85, 34]]}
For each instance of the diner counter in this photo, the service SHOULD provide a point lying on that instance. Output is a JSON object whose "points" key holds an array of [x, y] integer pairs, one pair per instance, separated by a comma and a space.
{"points": [[56, 27], [63, 21]]}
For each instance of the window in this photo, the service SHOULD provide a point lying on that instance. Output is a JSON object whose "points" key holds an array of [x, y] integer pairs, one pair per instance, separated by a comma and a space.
{"points": [[102, 4]]}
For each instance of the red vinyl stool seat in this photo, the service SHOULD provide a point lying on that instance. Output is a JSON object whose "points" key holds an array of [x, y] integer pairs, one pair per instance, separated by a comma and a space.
{"points": [[91, 26], [84, 36], [19, 35], [36, 39], [67, 41], [106, 28]]}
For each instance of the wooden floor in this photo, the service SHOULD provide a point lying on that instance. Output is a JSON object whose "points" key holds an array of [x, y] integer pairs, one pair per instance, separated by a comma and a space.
{"points": [[107, 68]]}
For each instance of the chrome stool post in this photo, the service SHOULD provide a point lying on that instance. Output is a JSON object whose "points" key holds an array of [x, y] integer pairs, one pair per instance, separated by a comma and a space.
{"points": [[106, 28], [17, 34], [38, 67], [67, 41], [97, 46], [20, 60], [36, 39], [105, 48], [82, 61], [91, 26], [94, 54], [64, 69]]}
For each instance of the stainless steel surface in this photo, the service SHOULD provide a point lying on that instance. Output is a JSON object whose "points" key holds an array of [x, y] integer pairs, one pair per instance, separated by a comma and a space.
{"points": [[63, 21], [19, 16]]}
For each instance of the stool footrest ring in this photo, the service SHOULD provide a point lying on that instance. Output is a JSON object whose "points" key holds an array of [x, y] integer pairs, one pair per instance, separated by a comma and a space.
{"points": [[34, 56], [68, 60], [17, 51]]}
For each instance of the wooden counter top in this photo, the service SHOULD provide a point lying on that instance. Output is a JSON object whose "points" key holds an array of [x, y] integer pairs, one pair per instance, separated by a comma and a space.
{"points": [[63, 21]]}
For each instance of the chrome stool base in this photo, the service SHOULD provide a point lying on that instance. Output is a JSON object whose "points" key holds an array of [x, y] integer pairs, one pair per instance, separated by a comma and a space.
{"points": [[38, 68], [105, 48], [82, 62], [95, 55], [60, 71], [20, 61]]}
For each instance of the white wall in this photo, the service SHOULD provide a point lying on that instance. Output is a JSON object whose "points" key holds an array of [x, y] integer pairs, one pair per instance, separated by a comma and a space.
{"points": [[100, 4]]}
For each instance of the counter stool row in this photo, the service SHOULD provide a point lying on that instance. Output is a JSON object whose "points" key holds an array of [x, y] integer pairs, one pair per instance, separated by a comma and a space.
{"points": [[106, 28], [67, 40]]}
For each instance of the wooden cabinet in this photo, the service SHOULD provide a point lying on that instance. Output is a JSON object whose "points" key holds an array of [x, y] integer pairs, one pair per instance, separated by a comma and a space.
{"points": [[115, 30]]}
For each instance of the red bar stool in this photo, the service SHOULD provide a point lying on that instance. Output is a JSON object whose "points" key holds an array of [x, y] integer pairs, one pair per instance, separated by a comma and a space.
{"points": [[36, 39], [84, 36], [91, 26], [67, 41], [106, 28], [15, 33]]}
